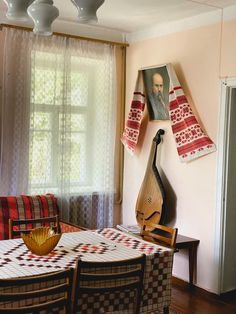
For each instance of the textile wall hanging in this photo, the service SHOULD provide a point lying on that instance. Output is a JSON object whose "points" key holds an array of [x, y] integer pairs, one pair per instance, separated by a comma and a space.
{"points": [[166, 100]]}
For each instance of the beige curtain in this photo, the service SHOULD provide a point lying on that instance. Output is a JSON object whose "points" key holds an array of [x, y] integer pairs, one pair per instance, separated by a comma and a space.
{"points": [[119, 149], [41, 81]]}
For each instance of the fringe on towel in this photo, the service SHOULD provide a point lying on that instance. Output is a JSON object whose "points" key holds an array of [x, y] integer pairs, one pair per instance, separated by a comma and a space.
{"points": [[191, 141]]}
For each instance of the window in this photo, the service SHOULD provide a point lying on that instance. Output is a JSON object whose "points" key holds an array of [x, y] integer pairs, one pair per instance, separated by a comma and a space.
{"points": [[68, 104]]}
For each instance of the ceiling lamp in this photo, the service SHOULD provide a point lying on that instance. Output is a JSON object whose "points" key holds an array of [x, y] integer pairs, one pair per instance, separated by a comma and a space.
{"points": [[17, 9], [87, 10], [43, 13]]}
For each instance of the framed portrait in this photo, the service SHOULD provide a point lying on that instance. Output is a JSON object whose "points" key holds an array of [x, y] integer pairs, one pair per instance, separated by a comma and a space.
{"points": [[157, 82]]}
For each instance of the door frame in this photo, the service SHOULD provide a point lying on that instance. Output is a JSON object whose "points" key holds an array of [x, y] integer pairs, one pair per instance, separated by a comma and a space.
{"points": [[222, 165]]}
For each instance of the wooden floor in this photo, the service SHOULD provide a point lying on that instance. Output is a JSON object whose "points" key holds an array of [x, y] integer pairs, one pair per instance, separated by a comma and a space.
{"points": [[197, 301]]}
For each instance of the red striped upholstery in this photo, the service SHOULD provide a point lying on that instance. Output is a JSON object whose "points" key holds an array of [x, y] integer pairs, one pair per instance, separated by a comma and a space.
{"points": [[25, 207], [66, 227]]}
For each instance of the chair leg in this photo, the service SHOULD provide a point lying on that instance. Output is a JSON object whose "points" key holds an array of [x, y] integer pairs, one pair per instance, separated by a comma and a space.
{"points": [[166, 310]]}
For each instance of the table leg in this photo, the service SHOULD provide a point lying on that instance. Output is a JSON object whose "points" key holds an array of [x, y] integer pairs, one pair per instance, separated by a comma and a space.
{"points": [[166, 310], [192, 263]]}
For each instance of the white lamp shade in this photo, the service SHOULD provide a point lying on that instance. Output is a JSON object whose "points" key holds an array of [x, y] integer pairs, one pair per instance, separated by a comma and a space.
{"points": [[43, 13], [87, 9], [17, 9]]}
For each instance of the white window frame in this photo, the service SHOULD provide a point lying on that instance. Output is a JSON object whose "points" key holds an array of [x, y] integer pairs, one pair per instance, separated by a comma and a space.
{"points": [[55, 111]]}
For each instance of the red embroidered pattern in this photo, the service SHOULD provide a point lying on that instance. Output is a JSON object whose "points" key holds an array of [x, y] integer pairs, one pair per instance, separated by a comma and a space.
{"points": [[190, 139], [133, 123]]}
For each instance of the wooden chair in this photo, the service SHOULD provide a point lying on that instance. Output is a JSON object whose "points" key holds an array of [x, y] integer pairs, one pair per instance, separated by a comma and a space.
{"points": [[49, 292], [124, 276], [30, 224], [162, 234]]}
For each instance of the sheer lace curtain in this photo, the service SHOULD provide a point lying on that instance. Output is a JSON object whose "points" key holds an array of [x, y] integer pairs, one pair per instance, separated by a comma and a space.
{"points": [[58, 123]]}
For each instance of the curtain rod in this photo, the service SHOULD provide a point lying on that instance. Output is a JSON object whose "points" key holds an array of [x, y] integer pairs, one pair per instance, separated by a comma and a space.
{"points": [[28, 29]]}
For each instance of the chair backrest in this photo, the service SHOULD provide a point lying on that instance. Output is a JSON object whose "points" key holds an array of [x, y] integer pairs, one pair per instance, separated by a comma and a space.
{"points": [[108, 280], [48, 292], [161, 234], [15, 226]]}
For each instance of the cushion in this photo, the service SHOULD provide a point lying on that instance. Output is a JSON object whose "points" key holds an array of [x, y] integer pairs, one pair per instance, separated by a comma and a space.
{"points": [[25, 207], [66, 227]]}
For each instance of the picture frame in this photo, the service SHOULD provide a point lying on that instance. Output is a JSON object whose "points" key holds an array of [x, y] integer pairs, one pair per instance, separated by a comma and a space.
{"points": [[157, 83]]}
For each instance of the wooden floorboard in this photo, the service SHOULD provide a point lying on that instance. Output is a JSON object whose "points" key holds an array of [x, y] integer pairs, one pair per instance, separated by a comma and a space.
{"points": [[186, 300]]}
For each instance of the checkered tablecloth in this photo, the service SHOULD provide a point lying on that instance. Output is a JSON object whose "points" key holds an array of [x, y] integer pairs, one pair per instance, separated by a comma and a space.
{"points": [[100, 245]]}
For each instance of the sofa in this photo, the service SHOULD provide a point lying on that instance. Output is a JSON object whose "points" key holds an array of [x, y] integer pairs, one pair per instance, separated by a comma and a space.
{"points": [[30, 207]]}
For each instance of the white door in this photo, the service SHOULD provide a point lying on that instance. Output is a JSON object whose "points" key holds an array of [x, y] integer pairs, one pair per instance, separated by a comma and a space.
{"points": [[227, 146]]}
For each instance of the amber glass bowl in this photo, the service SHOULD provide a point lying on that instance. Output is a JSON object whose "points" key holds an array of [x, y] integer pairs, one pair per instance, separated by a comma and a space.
{"points": [[41, 241]]}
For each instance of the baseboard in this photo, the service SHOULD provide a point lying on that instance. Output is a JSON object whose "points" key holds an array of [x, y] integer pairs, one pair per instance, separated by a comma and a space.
{"points": [[231, 295], [184, 284], [179, 282]]}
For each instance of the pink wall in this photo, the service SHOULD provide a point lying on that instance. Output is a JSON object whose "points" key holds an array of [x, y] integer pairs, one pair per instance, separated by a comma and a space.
{"points": [[228, 64], [191, 187]]}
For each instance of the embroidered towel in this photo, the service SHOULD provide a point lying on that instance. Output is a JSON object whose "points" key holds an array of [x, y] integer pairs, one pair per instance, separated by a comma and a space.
{"points": [[133, 123], [190, 139]]}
